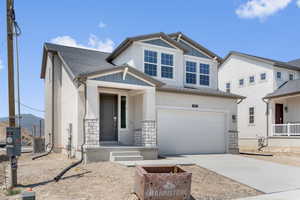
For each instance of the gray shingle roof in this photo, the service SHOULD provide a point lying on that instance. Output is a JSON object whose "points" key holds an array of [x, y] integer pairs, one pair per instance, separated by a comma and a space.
{"points": [[80, 61], [295, 62], [288, 88], [287, 65], [199, 91]]}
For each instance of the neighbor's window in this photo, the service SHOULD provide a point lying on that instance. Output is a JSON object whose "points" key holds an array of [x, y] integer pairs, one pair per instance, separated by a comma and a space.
{"points": [[291, 77], [251, 79], [204, 74], [241, 82], [227, 87], [190, 68], [263, 76], [150, 62], [251, 115], [166, 65], [123, 111], [278, 75]]}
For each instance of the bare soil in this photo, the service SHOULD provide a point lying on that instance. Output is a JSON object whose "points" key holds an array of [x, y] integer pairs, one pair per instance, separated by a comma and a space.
{"points": [[110, 181], [285, 158]]}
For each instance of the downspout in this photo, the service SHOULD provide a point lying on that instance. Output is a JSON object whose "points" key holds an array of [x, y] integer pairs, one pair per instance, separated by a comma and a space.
{"points": [[52, 116], [267, 118], [58, 177]]}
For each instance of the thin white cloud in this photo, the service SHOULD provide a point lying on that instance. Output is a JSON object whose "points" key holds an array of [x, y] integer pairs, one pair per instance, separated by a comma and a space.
{"points": [[298, 3], [102, 25], [1, 64], [94, 42], [261, 8]]}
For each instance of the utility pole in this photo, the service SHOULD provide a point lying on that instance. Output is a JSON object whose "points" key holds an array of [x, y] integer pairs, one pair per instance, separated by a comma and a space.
{"points": [[11, 89]]}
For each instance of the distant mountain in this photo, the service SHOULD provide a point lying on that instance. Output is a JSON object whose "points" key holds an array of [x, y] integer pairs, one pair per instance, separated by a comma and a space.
{"points": [[28, 121]]}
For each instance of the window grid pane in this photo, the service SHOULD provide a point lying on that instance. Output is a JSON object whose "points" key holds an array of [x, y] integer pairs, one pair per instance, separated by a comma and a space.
{"points": [[204, 80], [241, 82], [251, 79], [263, 76], [190, 66], [166, 59], [166, 72], [151, 69], [150, 56], [204, 68], [278, 75], [191, 78]]}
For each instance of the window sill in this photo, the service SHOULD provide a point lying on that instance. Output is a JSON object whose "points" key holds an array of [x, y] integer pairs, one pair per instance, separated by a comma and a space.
{"points": [[251, 124]]}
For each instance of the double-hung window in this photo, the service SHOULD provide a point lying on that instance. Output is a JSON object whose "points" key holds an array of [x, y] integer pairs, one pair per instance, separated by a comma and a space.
{"points": [[241, 82], [278, 75], [263, 76], [251, 115], [190, 68], [291, 77], [150, 62], [204, 74], [252, 79], [227, 87], [167, 65]]}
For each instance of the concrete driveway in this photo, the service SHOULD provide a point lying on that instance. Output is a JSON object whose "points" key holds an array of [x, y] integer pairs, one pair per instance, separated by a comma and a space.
{"points": [[264, 176]]}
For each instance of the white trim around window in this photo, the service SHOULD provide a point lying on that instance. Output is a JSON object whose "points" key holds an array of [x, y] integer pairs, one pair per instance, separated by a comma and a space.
{"points": [[159, 64], [198, 62]]}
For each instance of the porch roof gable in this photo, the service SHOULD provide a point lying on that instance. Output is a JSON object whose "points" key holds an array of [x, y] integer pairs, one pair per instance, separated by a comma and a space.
{"points": [[288, 88]]}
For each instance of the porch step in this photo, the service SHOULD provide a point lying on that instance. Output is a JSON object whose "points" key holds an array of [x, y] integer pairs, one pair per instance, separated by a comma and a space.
{"points": [[125, 156]]}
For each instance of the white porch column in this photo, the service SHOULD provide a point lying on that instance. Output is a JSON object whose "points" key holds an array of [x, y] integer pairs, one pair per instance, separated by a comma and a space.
{"points": [[92, 117], [149, 104]]}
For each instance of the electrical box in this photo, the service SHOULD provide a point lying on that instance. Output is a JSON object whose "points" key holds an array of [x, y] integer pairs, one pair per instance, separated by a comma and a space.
{"points": [[13, 141]]}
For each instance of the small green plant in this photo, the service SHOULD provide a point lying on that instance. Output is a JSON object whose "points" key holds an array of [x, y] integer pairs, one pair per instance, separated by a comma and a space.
{"points": [[11, 192]]}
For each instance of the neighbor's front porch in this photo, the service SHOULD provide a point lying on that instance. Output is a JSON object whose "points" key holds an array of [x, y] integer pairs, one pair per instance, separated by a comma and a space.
{"points": [[285, 113]]}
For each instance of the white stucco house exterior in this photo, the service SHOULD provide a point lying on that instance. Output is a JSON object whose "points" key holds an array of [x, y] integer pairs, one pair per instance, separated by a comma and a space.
{"points": [[155, 94], [271, 109]]}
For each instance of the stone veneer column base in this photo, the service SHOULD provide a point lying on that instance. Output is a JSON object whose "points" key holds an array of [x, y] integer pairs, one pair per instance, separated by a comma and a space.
{"points": [[233, 145]]}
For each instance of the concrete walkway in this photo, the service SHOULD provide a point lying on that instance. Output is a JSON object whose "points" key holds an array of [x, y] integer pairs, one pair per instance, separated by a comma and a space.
{"points": [[264, 176], [290, 195]]}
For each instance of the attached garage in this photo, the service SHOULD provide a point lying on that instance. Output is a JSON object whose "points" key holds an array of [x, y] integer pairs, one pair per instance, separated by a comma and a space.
{"points": [[186, 131]]}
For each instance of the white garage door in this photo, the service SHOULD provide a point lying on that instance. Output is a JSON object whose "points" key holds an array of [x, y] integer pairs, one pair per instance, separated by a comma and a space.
{"points": [[190, 132]]}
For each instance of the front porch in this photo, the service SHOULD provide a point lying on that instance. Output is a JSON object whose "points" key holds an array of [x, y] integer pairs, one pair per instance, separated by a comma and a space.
{"points": [[120, 117]]}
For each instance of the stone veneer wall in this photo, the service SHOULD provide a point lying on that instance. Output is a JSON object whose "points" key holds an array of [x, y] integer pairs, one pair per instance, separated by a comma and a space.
{"points": [[92, 134], [233, 144], [146, 136]]}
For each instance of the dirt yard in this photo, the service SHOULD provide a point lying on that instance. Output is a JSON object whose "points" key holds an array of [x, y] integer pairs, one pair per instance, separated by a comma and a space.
{"points": [[110, 181], [282, 158]]}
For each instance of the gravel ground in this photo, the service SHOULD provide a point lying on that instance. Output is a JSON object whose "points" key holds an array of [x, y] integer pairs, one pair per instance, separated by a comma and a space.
{"points": [[111, 181], [282, 158]]}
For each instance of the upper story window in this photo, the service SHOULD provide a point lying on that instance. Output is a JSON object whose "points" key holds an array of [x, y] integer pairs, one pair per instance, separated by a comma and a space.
{"points": [[251, 115], [197, 74], [291, 76], [228, 87], [167, 65], [263, 76], [204, 74], [241, 82], [252, 79], [190, 68], [150, 62], [278, 75]]}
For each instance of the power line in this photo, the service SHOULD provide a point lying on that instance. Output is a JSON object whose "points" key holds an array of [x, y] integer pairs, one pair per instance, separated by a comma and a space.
{"points": [[31, 108]]}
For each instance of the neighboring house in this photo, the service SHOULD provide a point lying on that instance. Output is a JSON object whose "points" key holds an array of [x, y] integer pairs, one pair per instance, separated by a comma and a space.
{"points": [[264, 82], [154, 94]]}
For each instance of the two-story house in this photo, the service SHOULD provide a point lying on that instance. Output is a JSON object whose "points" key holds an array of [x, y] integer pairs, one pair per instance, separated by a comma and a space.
{"points": [[154, 94], [271, 109]]}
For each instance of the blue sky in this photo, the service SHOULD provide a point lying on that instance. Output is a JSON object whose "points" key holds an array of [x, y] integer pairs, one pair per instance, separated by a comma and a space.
{"points": [[268, 28]]}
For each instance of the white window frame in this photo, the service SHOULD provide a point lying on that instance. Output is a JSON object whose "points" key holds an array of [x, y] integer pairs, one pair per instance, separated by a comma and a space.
{"points": [[251, 115], [266, 79], [293, 74], [197, 61], [145, 62], [253, 83], [243, 82], [159, 52], [280, 75], [229, 86]]}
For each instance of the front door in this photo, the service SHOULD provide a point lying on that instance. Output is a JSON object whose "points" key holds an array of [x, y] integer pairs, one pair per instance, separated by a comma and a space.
{"points": [[108, 117], [279, 113]]}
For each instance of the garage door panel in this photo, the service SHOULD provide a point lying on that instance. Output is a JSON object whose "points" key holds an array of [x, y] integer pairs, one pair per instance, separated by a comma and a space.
{"points": [[190, 132]]}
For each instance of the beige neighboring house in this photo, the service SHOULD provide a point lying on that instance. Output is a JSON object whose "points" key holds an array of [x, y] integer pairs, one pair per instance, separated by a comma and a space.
{"points": [[155, 94], [272, 107]]}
